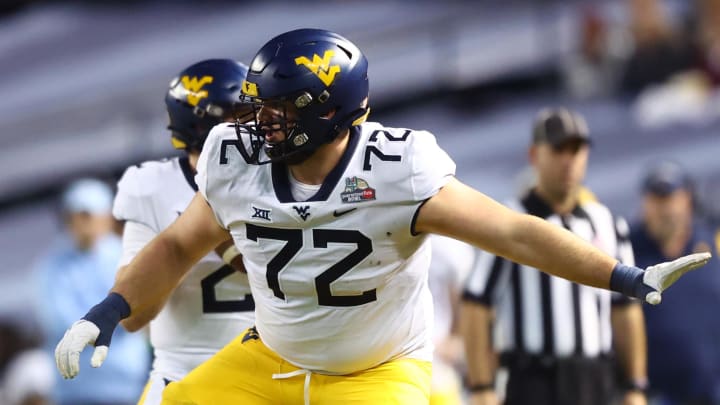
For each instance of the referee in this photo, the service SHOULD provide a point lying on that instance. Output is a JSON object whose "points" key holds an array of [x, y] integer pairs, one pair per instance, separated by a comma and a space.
{"points": [[555, 338]]}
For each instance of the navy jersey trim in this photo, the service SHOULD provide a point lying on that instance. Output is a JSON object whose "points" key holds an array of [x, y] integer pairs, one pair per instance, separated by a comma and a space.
{"points": [[188, 172], [413, 232], [281, 182]]}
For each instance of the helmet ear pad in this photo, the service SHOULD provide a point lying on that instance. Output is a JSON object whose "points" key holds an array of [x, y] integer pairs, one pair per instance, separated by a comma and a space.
{"points": [[189, 131]]}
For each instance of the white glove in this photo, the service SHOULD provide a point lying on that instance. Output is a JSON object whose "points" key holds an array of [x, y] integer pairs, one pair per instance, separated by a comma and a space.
{"points": [[663, 275], [67, 353]]}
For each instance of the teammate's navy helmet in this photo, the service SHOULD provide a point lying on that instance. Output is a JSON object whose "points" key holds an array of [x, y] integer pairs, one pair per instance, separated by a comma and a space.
{"points": [[322, 74], [200, 97]]}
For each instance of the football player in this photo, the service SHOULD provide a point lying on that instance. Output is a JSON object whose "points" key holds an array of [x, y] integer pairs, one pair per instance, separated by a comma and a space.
{"points": [[212, 304], [452, 260], [331, 214]]}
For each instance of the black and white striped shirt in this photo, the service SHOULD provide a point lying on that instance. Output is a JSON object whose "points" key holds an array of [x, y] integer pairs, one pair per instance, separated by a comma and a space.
{"points": [[539, 314]]}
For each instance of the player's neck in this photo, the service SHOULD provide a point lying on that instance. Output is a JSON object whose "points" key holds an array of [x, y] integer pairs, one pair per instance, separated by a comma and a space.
{"points": [[315, 168], [193, 159]]}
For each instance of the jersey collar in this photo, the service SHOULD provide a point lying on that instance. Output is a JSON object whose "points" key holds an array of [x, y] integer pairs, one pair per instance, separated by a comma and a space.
{"points": [[280, 174], [188, 172]]}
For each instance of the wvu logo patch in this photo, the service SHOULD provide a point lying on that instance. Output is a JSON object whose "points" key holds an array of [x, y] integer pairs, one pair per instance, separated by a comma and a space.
{"points": [[357, 190], [251, 334], [194, 86], [320, 66], [302, 211], [261, 213]]}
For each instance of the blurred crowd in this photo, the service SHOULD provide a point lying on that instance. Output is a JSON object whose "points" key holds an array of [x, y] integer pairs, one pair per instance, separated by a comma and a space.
{"points": [[669, 62]]}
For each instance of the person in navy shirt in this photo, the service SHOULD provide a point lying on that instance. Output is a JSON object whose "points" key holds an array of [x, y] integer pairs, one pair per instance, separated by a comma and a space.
{"points": [[684, 337]]}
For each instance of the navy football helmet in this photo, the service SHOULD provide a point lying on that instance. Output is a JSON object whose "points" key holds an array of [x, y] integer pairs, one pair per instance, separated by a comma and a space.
{"points": [[202, 96], [321, 76]]}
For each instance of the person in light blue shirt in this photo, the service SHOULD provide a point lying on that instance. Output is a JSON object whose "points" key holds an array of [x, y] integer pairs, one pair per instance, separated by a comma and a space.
{"points": [[77, 271]]}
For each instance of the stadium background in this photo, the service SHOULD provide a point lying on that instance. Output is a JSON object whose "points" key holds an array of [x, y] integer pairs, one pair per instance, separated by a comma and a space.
{"points": [[83, 83]]}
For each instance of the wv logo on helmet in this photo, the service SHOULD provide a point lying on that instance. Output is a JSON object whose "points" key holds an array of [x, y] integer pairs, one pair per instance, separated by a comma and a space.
{"points": [[194, 86], [320, 66]]}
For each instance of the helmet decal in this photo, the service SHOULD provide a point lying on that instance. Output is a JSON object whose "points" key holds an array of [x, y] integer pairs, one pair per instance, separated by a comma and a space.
{"points": [[194, 88], [320, 67], [201, 96], [310, 85], [249, 89]]}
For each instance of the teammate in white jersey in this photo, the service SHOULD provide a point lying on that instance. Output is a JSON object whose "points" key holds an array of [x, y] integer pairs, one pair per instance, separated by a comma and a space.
{"points": [[343, 308], [452, 261], [212, 304]]}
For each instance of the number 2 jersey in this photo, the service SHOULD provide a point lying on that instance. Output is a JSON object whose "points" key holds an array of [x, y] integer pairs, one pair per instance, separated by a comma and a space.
{"points": [[212, 304], [340, 281]]}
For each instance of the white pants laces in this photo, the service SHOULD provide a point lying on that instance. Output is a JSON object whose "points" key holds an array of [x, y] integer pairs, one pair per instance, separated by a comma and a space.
{"points": [[307, 373]]}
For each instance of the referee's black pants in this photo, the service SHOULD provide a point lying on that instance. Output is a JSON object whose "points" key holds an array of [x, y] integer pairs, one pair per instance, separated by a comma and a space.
{"points": [[536, 380]]}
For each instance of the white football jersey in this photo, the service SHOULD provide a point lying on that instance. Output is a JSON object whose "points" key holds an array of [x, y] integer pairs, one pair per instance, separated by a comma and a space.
{"points": [[212, 304], [340, 281]]}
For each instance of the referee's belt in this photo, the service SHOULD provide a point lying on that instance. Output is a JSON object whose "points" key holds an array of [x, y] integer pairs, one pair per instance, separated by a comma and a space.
{"points": [[544, 362]]}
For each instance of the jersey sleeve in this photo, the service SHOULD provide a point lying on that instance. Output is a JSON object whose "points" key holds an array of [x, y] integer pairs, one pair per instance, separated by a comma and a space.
{"points": [[133, 202], [201, 169], [431, 166], [135, 237], [209, 177]]}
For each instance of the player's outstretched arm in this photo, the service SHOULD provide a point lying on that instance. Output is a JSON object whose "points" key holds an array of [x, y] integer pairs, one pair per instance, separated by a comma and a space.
{"points": [[460, 212], [144, 284]]}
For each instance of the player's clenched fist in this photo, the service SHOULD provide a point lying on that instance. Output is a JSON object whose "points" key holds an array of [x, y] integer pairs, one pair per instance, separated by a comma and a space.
{"points": [[95, 328]]}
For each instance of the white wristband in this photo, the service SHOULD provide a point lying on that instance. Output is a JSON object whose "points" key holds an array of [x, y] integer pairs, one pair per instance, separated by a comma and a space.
{"points": [[230, 254]]}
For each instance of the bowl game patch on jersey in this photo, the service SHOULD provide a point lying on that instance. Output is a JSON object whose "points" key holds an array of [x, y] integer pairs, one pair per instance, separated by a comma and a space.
{"points": [[357, 190]]}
